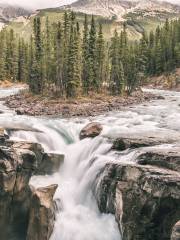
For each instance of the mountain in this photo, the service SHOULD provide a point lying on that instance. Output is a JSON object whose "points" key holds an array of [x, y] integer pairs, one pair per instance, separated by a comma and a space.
{"points": [[9, 13], [139, 15], [120, 9]]}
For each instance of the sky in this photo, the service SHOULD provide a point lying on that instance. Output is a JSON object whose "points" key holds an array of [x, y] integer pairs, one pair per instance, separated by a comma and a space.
{"points": [[37, 4]]}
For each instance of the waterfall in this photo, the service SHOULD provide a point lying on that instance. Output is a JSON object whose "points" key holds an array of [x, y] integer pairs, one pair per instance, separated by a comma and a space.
{"points": [[79, 217]]}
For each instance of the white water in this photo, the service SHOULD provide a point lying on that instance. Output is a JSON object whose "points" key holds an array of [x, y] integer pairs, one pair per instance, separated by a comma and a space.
{"points": [[79, 217]]}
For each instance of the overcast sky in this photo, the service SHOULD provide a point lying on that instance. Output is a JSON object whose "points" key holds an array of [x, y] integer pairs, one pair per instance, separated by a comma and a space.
{"points": [[48, 3], [37, 3]]}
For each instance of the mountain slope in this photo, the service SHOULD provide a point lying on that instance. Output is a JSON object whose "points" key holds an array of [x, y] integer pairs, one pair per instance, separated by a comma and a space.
{"points": [[140, 16], [118, 9], [9, 13]]}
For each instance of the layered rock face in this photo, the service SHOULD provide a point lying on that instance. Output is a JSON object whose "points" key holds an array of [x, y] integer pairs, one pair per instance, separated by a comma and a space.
{"points": [[42, 214], [21, 206], [144, 195]]}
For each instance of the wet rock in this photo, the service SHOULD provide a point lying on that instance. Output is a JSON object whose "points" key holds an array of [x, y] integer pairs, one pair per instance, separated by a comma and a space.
{"points": [[144, 199], [3, 137], [148, 139], [91, 130], [42, 214], [176, 232], [20, 111], [18, 162], [7, 183], [162, 157], [35, 148], [51, 163], [160, 97]]}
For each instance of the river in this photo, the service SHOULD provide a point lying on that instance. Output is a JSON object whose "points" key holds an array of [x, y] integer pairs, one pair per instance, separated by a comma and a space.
{"points": [[79, 217]]}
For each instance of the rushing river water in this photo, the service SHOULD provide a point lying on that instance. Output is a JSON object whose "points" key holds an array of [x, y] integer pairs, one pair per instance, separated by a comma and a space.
{"points": [[79, 217]]}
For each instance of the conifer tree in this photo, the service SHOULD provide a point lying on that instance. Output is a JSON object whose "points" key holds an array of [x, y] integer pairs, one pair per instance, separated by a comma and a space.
{"points": [[3, 50], [117, 78], [100, 55], [74, 71], [85, 56], [59, 61], [92, 57], [36, 67]]}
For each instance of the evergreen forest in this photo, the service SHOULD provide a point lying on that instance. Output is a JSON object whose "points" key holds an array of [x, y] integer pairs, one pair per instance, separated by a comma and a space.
{"points": [[66, 60]]}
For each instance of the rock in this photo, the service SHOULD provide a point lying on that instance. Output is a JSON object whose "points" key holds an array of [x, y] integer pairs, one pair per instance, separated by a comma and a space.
{"points": [[162, 157], [161, 97], [36, 148], [176, 232], [91, 130], [144, 199], [145, 139], [3, 137], [20, 111], [51, 163], [18, 162], [42, 214]]}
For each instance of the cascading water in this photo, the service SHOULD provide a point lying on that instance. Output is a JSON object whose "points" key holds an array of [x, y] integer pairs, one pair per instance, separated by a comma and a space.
{"points": [[79, 217]]}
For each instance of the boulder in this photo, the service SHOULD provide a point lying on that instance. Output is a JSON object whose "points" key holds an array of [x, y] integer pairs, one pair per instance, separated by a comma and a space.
{"points": [[20, 111], [144, 199], [91, 130], [176, 231], [42, 214]]}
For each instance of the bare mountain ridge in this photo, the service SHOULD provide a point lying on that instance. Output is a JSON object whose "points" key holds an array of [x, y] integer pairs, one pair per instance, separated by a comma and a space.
{"points": [[9, 13], [120, 8]]}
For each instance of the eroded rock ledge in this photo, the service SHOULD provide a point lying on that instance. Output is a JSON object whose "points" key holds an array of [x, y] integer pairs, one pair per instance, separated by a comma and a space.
{"points": [[25, 212], [144, 196]]}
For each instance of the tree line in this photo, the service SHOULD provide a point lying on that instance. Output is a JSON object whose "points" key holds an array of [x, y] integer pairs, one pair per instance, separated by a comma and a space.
{"points": [[68, 60]]}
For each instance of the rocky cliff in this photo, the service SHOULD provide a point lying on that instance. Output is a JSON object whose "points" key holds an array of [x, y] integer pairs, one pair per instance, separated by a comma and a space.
{"points": [[144, 195], [25, 212]]}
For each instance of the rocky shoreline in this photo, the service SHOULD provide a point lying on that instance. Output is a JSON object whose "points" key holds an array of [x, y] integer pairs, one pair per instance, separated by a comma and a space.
{"points": [[26, 104]]}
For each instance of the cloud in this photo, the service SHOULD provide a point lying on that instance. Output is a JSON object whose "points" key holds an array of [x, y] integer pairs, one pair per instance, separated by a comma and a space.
{"points": [[37, 4]]}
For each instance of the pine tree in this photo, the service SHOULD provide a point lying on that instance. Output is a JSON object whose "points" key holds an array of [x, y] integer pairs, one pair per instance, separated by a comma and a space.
{"points": [[59, 61], [85, 56], [47, 52], [3, 51], [37, 74], [117, 78], [92, 57], [143, 55], [100, 55], [74, 60]]}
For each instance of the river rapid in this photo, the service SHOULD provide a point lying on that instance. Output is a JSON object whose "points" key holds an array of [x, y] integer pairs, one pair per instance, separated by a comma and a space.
{"points": [[79, 217]]}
